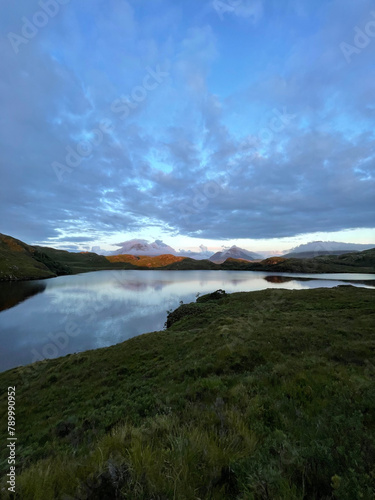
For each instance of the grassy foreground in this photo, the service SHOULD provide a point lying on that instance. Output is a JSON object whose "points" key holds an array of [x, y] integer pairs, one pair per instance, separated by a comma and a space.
{"points": [[260, 395]]}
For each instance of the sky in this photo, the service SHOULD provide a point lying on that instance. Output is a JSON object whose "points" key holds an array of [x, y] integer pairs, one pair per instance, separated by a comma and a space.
{"points": [[198, 123]]}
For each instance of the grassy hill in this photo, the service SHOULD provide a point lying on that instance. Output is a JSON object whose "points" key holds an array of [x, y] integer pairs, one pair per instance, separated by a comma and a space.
{"points": [[83, 262], [356, 262], [260, 395], [311, 254], [19, 261], [146, 261], [165, 262], [192, 264]]}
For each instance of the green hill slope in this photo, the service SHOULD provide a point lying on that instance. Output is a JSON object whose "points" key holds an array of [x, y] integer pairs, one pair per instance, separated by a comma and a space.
{"points": [[83, 262], [192, 264], [259, 395], [356, 262], [19, 261]]}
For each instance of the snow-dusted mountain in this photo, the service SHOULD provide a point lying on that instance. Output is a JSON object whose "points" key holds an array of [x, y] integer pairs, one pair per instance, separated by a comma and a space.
{"points": [[234, 252], [315, 248], [158, 247], [142, 247]]}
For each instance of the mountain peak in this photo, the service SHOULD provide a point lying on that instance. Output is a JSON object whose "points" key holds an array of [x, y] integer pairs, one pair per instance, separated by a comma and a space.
{"points": [[142, 247], [234, 252]]}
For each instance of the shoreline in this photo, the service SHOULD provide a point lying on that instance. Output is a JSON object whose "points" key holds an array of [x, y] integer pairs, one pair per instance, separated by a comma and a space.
{"points": [[262, 270]]}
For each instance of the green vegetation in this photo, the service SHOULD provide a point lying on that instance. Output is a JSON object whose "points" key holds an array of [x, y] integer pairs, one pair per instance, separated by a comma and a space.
{"points": [[260, 395], [357, 262], [19, 261], [83, 262], [189, 264]]}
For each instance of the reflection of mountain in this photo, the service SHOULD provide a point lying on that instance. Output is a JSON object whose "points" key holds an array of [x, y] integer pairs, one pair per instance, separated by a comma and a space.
{"points": [[12, 293], [285, 279], [138, 286], [278, 279]]}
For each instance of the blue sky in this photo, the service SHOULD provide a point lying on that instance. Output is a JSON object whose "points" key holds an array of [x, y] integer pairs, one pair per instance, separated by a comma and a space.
{"points": [[247, 122]]}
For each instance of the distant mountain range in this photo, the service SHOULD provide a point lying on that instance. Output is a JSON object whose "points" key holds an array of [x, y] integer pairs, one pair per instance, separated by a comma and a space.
{"points": [[312, 249], [19, 261], [316, 248], [142, 247], [234, 252]]}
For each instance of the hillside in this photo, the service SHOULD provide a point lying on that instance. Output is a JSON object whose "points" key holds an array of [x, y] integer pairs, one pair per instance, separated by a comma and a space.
{"points": [[146, 261], [19, 261], [312, 254], [83, 262], [188, 264], [259, 395], [234, 253], [315, 248], [142, 247], [357, 262]]}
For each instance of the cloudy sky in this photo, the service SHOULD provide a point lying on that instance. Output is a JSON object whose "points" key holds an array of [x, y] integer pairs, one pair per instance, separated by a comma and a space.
{"points": [[247, 122]]}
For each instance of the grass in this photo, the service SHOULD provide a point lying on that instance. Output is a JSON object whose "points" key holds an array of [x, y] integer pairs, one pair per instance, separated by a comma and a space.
{"points": [[17, 261], [260, 395]]}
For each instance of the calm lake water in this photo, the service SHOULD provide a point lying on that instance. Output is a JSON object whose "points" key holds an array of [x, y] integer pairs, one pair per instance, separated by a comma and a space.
{"points": [[54, 317]]}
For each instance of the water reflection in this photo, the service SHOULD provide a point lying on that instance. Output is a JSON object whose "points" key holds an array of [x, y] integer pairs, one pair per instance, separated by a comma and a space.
{"points": [[86, 311], [12, 293], [278, 279]]}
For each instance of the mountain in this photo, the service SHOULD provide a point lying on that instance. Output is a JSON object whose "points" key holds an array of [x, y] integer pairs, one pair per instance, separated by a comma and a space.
{"points": [[19, 261], [355, 262], [82, 262], [145, 260], [142, 247], [234, 252], [316, 248]]}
